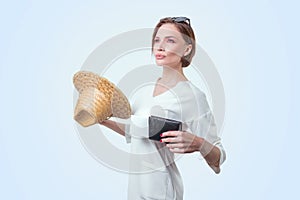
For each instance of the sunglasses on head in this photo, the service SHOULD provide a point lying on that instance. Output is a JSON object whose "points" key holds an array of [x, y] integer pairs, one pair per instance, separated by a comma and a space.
{"points": [[181, 20]]}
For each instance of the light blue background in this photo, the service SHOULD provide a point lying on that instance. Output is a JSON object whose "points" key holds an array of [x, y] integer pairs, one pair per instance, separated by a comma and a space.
{"points": [[254, 45]]}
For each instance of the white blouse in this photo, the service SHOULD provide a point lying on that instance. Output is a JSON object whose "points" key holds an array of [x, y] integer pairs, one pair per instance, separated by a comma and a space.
{"points": [[153, 171]]}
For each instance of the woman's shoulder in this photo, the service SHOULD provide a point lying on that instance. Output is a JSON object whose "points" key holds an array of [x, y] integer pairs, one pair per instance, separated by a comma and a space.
{"points": [[192, 98], [198, 93], [188, 89], [200, 97]]}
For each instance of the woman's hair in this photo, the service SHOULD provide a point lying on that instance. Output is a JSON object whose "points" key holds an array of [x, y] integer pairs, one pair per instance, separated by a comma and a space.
{"points": [[184, 27]]}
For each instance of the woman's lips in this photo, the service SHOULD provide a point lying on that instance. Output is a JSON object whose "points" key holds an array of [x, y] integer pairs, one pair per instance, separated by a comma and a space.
{"points": [[159, 56]]}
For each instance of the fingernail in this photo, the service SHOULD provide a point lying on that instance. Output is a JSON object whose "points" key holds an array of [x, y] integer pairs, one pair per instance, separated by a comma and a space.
{"points": [[161, 135], [160, 140]]}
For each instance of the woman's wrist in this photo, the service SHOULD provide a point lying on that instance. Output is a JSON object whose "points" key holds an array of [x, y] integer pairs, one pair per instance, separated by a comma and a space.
{"points": [[210, 153], [205, 148], [104, 122], [200, 142]]}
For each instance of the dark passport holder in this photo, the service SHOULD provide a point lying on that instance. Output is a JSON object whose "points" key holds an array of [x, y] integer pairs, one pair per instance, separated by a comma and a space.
{"points": [[158, 125]]}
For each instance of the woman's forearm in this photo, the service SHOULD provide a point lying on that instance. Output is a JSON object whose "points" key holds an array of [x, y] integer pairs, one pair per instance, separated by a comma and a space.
{"points": [[115, 126], [211, 154]]}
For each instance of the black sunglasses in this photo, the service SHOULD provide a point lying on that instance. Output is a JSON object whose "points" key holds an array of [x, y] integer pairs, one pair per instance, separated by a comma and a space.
{"points": [[181, 20]]}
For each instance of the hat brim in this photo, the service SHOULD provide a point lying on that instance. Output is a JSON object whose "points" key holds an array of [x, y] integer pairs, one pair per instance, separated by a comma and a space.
{"points": [[120, 106]]}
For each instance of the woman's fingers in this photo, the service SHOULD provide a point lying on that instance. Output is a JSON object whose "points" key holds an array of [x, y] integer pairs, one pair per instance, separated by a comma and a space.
{"points": [[176, 145], [181, 150], [170, 134], [179, 141], [177, 136]]}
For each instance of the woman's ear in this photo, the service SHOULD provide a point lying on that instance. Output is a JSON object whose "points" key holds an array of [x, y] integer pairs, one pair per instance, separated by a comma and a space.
{"points": [[188, 50]]}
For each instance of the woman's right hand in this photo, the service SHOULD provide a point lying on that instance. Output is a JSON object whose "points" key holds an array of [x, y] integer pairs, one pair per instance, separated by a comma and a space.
{"points": [[102, 122], [115, 126]]}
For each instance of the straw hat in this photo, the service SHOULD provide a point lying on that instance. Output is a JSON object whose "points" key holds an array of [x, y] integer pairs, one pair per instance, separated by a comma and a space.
{"points": [[99, 99]]}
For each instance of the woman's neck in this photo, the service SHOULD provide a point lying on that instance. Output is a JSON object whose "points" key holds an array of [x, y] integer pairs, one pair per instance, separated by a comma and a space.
{"points": [[171, 76]]}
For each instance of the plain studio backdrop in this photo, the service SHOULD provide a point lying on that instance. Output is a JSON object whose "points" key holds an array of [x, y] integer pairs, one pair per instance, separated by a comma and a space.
{"points": [[253, 45]]}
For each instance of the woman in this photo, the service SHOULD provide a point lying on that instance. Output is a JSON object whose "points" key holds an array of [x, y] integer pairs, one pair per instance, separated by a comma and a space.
{"points": [[154, 172]]}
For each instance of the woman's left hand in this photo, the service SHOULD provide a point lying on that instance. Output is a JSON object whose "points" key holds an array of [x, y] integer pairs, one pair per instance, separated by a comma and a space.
{"points": [[181, 141]]}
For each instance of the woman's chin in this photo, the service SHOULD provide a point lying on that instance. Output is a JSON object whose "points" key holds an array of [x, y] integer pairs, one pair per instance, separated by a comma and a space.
{"points": [[160, 63]]}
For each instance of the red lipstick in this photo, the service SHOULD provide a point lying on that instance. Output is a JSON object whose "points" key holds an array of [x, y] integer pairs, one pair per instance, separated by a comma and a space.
{"points": [[159, 56]]}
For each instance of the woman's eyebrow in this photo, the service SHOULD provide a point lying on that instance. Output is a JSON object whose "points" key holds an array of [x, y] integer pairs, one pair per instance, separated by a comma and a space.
{"points": [[170, 36]]}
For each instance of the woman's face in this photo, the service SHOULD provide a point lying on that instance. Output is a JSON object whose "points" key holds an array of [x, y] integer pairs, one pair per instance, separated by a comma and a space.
{"points": [[169, 46]]}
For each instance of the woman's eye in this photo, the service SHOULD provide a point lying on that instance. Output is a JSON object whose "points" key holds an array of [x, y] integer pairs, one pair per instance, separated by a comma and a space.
{"points": [[171, 41], [156, 40]]}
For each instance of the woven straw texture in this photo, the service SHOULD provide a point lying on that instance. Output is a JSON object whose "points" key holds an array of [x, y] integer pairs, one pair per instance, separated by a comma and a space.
{"points": [[99, 99]]}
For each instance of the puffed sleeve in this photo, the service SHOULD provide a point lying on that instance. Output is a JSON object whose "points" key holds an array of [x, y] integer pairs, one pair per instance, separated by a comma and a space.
{"points": [[135, 126], [128, 124], [127, 133], [131, 100]]}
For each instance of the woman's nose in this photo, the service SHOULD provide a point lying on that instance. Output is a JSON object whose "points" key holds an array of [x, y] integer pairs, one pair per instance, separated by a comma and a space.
{"points": [[161, 46], [160, 49]]}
